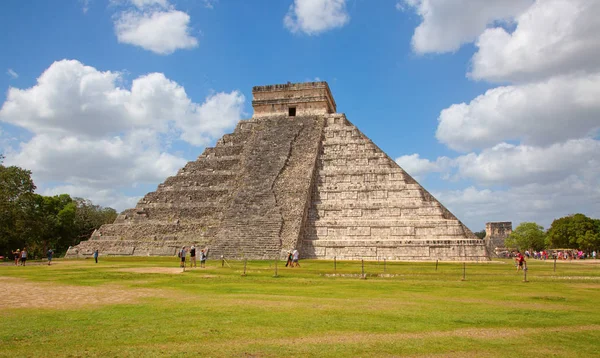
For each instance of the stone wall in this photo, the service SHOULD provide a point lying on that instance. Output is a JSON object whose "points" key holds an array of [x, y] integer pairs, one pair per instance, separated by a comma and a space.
{"points": [[495, 234], [311, 98]]}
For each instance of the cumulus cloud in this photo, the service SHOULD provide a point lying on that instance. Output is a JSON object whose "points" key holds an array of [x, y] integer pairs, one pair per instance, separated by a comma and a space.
{"points": [[532, 144], [545, 112], [73, 99], [448, 24], [552, 37], [154, 25], [316, 16], [162, 32], [418, 167], [535, 202], [89, 132], [508, 164]]}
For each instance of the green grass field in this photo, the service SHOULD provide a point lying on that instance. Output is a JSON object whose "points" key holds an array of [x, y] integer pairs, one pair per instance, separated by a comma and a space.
{"points": [[147, 307]]}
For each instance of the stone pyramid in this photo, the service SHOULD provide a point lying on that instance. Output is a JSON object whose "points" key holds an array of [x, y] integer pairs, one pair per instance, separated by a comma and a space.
{"points": [[295, 175]]}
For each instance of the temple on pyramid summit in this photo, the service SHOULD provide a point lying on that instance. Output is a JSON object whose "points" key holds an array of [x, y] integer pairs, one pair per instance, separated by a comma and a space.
{"points": [[295, 175]]}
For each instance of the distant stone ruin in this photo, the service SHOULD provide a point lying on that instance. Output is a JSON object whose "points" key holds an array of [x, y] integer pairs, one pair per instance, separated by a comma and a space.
{"points": [[495, 234], [295, 175]]}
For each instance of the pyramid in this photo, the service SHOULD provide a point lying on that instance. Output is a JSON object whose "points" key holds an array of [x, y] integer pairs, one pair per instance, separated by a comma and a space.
{"points": [[295, 175]]}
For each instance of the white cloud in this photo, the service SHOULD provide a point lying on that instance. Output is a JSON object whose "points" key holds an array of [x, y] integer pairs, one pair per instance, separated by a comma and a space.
{"points": [[536, 137], [508, 164], [12, 73], [217, 113], [544, 112], [316, 16], [448, 24], [417, 167], [162, 32], [535, 202], [73, 99], [552, 37], [89, 133]]}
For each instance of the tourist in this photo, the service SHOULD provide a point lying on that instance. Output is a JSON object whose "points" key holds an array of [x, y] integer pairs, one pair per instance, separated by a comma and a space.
{"points": [[193, 256], [49, 254], [521, 262], [289, 259], [182, 254], [23, 256], [295, 255], [96, 255], [203, 255], [594, 254], [17, 254]]}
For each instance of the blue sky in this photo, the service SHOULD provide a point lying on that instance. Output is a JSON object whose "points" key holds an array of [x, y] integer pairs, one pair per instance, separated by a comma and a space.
{"points": [[490, 124]]}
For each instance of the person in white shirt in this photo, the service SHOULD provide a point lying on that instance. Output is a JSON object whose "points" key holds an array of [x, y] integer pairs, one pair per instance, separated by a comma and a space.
{"points": [[295, 255]]}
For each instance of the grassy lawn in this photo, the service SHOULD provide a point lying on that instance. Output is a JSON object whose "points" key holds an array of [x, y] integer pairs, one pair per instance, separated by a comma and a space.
{"points": [[148, 307]]}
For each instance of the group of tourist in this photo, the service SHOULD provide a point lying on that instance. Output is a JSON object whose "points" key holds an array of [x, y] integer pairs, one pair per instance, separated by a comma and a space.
{"points": [[521, 263], [21, 256], [184, 251], [561, 255], [292, 259]]}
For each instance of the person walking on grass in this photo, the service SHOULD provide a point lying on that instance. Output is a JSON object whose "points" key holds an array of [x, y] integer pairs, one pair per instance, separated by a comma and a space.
{"points": [[96, 255], [289, 259], [182, 254], [203, 255], [49, 254], [17, 255], [193, 256], [521, 264], [295, 255], [23, 256]]}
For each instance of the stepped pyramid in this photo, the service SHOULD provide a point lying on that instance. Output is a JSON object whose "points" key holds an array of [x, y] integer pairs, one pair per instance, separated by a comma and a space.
{"points": [[295, 175]]}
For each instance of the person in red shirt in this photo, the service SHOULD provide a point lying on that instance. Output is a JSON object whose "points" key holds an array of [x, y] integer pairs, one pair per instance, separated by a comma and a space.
{"points": [[520, 262]]}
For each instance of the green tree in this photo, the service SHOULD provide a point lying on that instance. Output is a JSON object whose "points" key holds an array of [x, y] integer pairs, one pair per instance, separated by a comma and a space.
{"points": [[49, 223], [89, 217], [39, 222], [16, 192], [480, 234], [574, 231], [526, 236]]}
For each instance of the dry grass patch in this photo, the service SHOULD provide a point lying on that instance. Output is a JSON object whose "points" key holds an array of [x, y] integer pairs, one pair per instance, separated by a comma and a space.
{"points": [[18, 293]]}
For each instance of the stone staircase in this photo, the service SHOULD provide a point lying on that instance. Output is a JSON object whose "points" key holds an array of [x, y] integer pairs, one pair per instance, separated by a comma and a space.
{"points": [[246, 197], [365, 206]]}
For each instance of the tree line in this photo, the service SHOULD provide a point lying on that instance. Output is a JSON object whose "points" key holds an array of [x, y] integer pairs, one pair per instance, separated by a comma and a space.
{"points": [[40, 222], [570, 232]]}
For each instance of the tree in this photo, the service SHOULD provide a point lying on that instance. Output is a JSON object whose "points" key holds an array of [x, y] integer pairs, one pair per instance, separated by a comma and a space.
{"points": [[49, 222], [526, 236], [89, 217], [480, 234], [16, 192], [39, 222], [574, 231]]}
